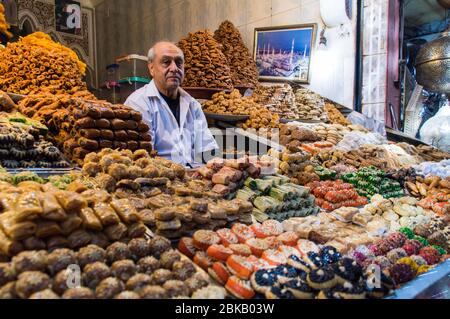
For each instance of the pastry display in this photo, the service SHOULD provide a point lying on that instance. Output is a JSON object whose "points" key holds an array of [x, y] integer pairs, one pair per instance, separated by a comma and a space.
{"points": [[36, 64], [310, 105], [242, 66], [205, 64], [332, 133], [4, 26], [229, 103], [23, 144], [370, 181], [261, 120], [335, 116], [331, 195], [426, 152], [36, 275], [278, 99], [81, 125], [274, 198], [367, 155]]}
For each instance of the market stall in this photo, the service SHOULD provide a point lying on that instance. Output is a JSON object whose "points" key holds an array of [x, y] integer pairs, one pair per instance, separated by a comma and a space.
{"points": [[324, 208]]}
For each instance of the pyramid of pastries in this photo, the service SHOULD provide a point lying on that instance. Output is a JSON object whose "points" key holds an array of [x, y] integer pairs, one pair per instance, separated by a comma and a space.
{"points": [[80, 124], [243, 67], [205, 64], [38, 64]]}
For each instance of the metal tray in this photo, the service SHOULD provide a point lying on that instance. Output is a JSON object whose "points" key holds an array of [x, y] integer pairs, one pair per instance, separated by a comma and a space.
{"points": [[226, 118], [44, 172]]}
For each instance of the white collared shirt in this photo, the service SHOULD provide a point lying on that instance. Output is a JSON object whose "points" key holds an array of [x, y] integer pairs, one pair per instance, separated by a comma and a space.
{"points": [[182, 143]]}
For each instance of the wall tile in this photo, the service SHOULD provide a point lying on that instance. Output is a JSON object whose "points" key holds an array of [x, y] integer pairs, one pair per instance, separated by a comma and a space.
{"points": [[289, 17], [257, 10], [279, 6]]}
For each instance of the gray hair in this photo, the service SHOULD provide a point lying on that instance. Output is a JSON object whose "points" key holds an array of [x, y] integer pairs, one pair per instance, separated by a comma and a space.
{"points": [[151, 52]]}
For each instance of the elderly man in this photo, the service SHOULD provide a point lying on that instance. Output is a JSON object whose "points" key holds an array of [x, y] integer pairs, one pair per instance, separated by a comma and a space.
{"points": [[177, 123]]}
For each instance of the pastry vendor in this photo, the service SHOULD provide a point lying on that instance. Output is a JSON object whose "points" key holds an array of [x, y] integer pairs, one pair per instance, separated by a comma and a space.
{"points": [[177, 124]]}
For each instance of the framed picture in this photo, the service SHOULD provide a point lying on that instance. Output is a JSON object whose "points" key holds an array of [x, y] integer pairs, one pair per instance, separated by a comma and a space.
{"points": [[68, 16], [284, 53], [11, 12]]}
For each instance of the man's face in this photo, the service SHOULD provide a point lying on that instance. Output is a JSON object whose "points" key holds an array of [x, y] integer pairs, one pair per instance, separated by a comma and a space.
{"points": [[167, 68]]}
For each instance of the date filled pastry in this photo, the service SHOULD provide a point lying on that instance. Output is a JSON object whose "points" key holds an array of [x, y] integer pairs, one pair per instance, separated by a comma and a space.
{"points": [[108, 288], [148, 265], [47, 229], [176, 288], [118, 251], [183, 270], [99, 239], [30, 282], [158, 245], [72, 223], [138, 282], [8, 291], [79, 293], [60, 259], [94, 273], [153, 292], [57, 242], [79, 238], [7, 273], [137, 230], [60, 281], [30, 261], [47, 294], [123, 269], [34, 243], [91, 254], [160, 276], [139, 248], [169, 258]]}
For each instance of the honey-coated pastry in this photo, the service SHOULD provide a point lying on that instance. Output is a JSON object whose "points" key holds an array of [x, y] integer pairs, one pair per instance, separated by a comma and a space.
{"points": [[30, 261], [91, 254], [45, 295], [79, 293], [108, 288], [148, 265], [123, 269], [60, 259], [31, 282], [118, 251], [94, 273]]}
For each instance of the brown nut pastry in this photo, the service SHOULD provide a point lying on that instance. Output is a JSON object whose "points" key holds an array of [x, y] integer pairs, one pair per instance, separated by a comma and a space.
{"points": [[159, 245], [139, 248], [79, 293], [99, 239], [7, 273], [153, 292], [136, 116], [143, 127], [91, 169], [118, 124], [120, 135], [108, 288], [34, 243], [160, 276], [47, 294], [182, 270], [30, 282], [145, 145], [122, 114], [91, 254], [128, 295], [131, 124], [60, 259], [138, 282], [169, 258], [30, 261], [132, 145], [56, 243], [123, 269], [87, 144], [196, 282], [116, 232], [148, 265], [118, 251], [60, 281], [137, 230], [8, 291], [176, 288], [85, 123], [105, 144], [94, 273]]}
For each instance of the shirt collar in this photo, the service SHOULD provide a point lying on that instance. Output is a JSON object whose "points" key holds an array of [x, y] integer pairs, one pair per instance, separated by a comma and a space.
{"points": [[152, 91]]}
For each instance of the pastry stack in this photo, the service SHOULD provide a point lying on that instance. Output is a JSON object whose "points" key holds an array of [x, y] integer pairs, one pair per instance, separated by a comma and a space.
{"points": [[81, 125], [243, 68], [205, 64], [278, 99], [229, 103], [311, 106]]}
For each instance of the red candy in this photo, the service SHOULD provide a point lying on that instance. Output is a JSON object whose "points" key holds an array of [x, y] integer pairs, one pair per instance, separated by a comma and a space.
{"points": [[375, 249], [430, 254], [412, 247], [397, 239]]}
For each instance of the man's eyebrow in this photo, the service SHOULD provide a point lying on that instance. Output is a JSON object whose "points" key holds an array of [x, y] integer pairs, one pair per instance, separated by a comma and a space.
{"points": [[172, 57]]}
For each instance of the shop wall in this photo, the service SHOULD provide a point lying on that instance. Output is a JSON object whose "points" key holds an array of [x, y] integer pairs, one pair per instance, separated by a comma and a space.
{"points": [[126, 27], [40, 16]]}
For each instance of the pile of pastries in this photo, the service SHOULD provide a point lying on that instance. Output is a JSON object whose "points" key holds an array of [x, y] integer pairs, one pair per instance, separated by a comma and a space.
{"points": [[4, 26], [38, 64], [294, 136], [229, 103], [426, 152], [261, 120], [80, 124], [332, 133], [242, 66], [310, 105], [335, 116], [139, 269], [205, 64], [35, 216], [278, 99], [22, 144]]}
